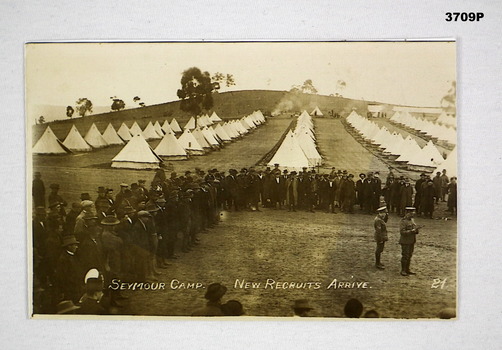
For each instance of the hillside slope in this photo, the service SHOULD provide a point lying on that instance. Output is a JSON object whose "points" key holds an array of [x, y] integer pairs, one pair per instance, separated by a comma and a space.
{"points": [[227, 105]]}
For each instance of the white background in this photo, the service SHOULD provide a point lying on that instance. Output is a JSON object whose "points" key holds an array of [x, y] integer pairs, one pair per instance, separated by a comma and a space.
{"points": [[479, 100]]}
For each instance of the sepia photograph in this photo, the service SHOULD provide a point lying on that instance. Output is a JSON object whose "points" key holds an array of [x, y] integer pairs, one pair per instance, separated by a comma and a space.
{"points": [[251, 179]]}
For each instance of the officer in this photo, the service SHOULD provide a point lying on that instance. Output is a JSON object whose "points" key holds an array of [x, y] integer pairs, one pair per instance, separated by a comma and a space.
{"points": [[408, 230], [380, 224]]}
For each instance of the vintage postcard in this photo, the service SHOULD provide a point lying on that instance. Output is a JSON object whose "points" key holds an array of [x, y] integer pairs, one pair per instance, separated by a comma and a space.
{"points": [[251, 179]]}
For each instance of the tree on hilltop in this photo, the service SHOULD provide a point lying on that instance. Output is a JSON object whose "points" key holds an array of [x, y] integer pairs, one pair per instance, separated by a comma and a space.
{"points": [[84, 106], [69, 111], [196, 91], [117, 104]]}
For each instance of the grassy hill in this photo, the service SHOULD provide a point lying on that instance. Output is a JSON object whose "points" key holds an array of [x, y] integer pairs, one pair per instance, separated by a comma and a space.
{"points": [[227, 105]]}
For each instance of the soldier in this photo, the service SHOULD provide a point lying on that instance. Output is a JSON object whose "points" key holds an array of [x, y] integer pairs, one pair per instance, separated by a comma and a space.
{"points": [[38, 190], [380, 224], [408, 230]]}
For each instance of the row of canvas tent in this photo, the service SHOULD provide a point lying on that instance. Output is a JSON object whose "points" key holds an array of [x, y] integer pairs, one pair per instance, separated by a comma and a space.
{"points": [[445, 132], [138, 154], [405, 151], [298, 149], [74, 142]]}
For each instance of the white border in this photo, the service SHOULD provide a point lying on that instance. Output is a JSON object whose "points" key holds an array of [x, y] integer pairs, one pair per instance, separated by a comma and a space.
{"points": [[479, 98]]}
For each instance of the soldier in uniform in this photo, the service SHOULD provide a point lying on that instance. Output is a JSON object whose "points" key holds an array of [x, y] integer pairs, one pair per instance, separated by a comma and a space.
{"points": [[380, 224], [408, 230]]}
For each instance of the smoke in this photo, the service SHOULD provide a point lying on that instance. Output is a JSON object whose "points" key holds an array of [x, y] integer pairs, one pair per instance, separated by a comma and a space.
{"points": [[285, 105], [448, 102]]}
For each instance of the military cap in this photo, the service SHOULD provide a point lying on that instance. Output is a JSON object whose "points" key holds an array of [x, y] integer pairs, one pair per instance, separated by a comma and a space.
{"points": [[123, 184], [85, 196], [410, 208], [101, 189], [384, 208]]}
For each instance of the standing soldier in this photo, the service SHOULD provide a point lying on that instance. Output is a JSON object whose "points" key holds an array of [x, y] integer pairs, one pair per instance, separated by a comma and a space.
{"points": [[380, 224], [408, 230], [38, 190]]}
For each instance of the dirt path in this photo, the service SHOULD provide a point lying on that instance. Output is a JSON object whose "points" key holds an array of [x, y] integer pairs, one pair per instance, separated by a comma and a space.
{"points": [[342, 151], [309, 247]]}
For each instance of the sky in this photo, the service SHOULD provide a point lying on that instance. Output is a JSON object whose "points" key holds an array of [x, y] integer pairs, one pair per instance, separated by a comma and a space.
{"points": [[407, 73]]}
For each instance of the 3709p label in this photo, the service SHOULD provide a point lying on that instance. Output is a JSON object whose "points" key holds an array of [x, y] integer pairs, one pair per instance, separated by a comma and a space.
{"points": [[464, 16]]}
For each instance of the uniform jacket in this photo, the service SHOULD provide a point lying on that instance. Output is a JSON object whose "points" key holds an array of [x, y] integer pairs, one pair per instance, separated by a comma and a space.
{"points": [[408, 230], [380, 230]]}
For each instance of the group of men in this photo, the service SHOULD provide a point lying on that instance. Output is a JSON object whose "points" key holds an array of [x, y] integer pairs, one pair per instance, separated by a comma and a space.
{"points": [[130, 235], [136, 232], [408, 230]]}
